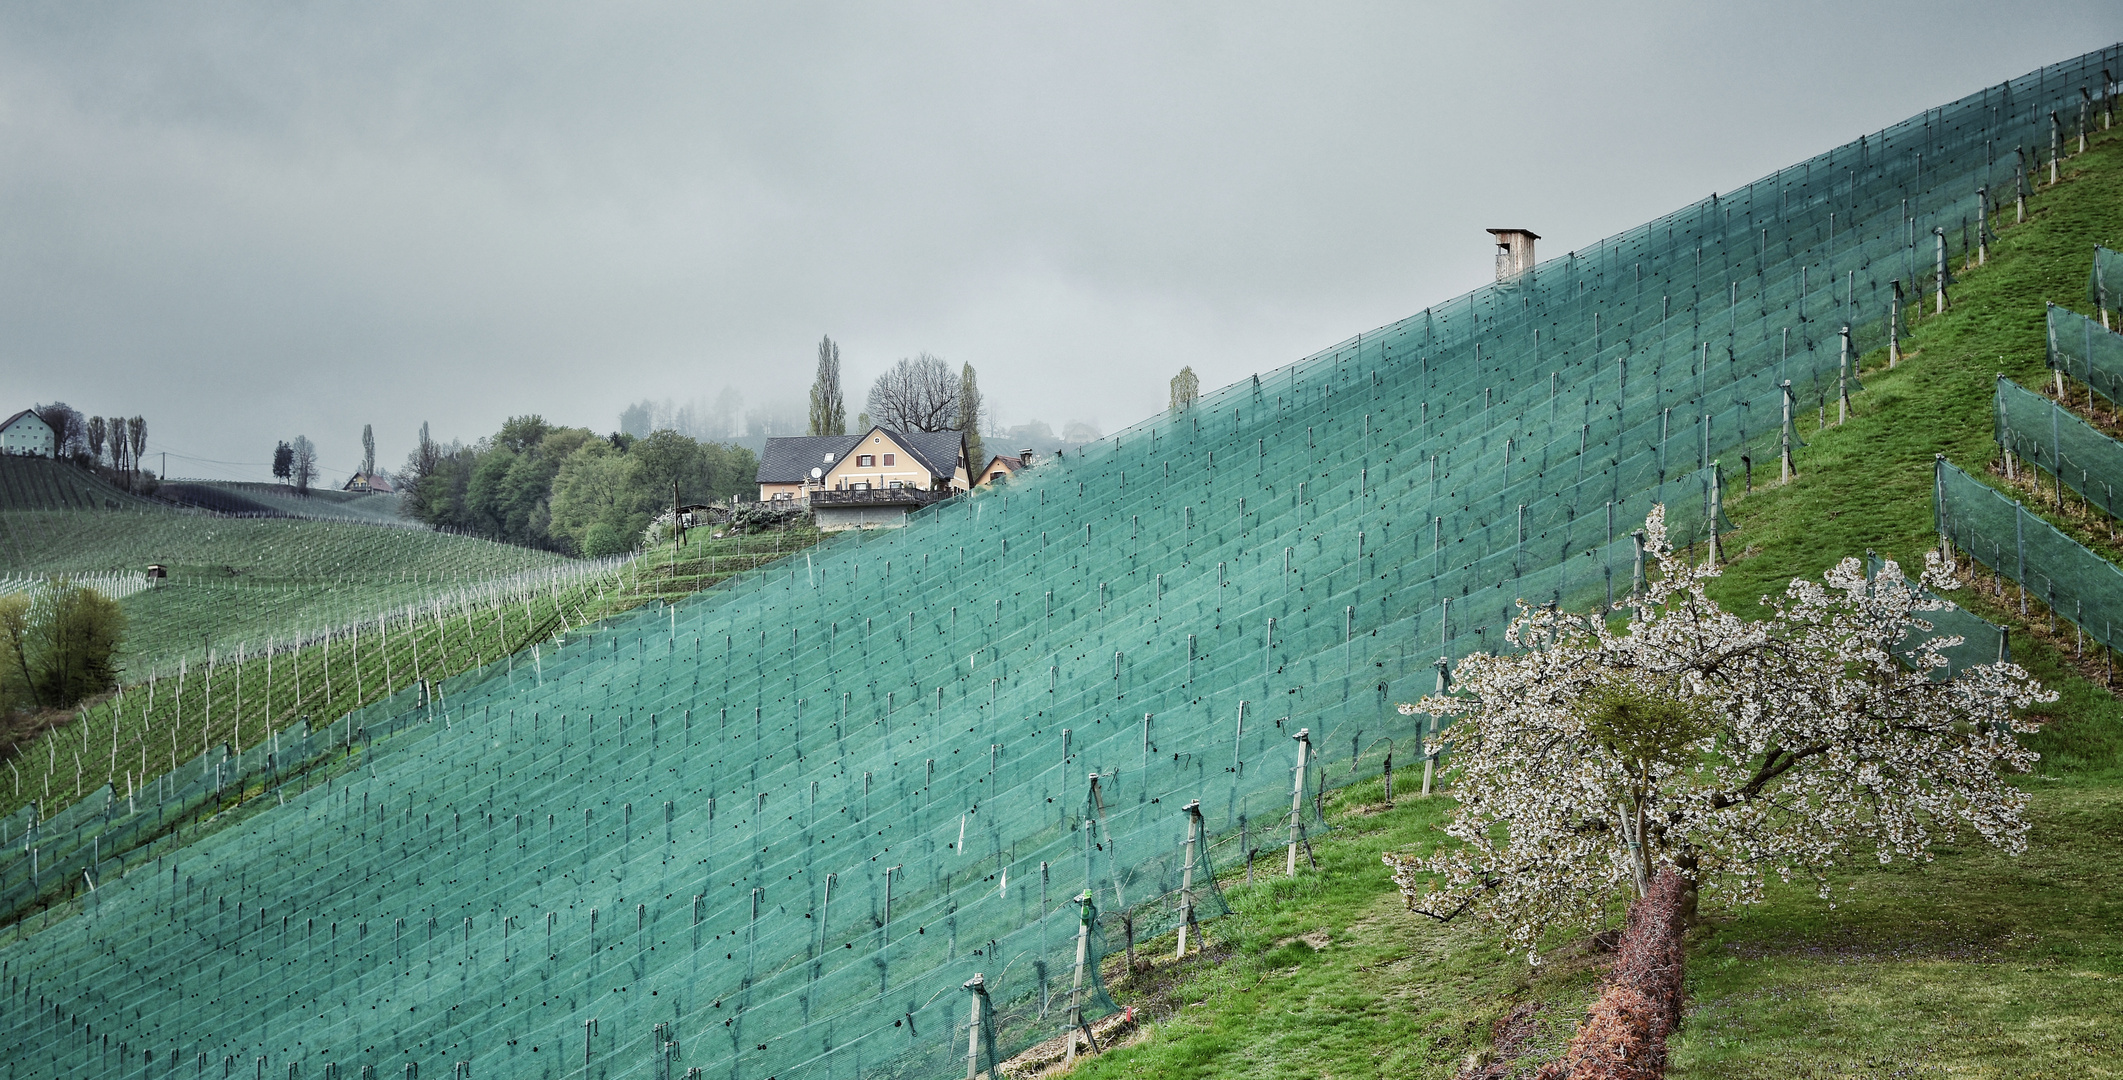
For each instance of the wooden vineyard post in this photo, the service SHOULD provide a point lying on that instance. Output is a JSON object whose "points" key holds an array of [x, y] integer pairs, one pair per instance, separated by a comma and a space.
{"points": [[2056, 145], [1843, 380], [1784, 469], [1186, 880], [2019, 184], [977, 988], [1717, 486], [1894, 330], [1982, 225], [1444, 681], [1939, 234], [1077, 1024], [1297, 800]]}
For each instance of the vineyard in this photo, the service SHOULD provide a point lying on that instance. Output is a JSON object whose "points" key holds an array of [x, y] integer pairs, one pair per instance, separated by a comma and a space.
{"points": [[422, 626], [252, 580], [35, 483], [279, 500], [916, 783]]}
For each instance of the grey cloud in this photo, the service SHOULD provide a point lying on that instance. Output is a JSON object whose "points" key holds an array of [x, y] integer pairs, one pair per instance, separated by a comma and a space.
{"points": [[249, 221]]}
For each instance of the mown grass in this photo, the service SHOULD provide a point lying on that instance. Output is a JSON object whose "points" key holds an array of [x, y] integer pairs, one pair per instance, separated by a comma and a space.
{"points": [[1978, 964], [1385, 993], [1975, 964]]}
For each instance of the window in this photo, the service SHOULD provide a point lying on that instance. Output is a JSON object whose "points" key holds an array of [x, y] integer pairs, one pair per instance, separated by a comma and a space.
{"points": [[896, 485], [865, 461], [996, 475], [891, 459], [780, 496], [860, 485]]}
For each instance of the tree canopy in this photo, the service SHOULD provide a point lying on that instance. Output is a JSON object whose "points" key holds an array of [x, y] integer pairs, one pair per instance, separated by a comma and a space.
{"points": [[920, 394], [58, 645], [1589, 757], [565, 488]]}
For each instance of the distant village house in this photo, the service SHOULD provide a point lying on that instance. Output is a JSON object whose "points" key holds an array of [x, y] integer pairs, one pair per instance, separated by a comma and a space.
{"points": [[376, 482], [1003, 466], [28, 434]]}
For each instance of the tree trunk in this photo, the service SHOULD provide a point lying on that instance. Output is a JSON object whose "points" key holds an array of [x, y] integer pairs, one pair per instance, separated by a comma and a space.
{"points": [[1686, 866]]}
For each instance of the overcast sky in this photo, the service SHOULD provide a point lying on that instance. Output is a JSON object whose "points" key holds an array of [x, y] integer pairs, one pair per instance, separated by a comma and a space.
{"points": [[248, 222]]}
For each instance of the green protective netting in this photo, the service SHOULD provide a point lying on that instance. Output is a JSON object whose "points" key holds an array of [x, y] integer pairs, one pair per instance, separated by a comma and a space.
{"points": [[2039, 432], [2108, 268], [2081, 348], [774, 830], [1982, 641], [2076, 584]]}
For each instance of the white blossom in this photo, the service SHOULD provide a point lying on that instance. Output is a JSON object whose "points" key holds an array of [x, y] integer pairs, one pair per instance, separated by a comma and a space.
{"points": [[1803, 741]]}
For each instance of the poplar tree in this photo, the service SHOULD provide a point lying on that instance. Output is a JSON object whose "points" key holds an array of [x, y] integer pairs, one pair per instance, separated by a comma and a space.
{"points": [[969, 410], [829, 407]]}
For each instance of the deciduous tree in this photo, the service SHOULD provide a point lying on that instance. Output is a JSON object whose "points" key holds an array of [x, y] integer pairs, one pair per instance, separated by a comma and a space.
{"points": [[970, 407], [69, 431], [920, 394], [1186, 390], [58, 644], [1591, 756], [829, 407], [304, 468]]}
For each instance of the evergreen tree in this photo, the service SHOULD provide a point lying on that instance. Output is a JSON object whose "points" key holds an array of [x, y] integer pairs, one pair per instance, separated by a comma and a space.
{"points": [[283, 461], [368, 450]]}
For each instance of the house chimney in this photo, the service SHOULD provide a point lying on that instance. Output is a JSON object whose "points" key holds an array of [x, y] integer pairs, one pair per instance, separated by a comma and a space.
{"points": [[1514, 252], [1024, 457]]}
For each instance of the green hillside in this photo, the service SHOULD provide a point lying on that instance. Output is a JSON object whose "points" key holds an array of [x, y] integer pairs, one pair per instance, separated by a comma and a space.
{"points": [[280, 500], [36, 483], [1977, 965], [252, 579]]}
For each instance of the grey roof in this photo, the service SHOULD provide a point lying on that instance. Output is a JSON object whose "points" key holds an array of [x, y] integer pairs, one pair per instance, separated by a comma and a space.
{"points": [[939, 450], [790, 460], [9, 422]]}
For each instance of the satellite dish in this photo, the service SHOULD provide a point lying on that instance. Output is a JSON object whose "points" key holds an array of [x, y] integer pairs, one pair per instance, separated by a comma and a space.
{"points": [[817, 472]]}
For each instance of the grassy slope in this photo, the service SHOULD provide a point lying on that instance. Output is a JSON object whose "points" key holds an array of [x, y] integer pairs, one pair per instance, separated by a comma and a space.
{"points": [[1977, 964]]}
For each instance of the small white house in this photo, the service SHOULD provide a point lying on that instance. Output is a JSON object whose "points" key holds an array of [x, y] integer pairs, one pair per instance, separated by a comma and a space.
{"points": [[27, 433]]}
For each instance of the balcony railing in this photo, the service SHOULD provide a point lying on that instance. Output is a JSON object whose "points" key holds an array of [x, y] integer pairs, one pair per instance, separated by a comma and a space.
{"points": [[878, 497]]}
